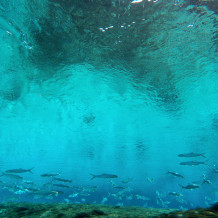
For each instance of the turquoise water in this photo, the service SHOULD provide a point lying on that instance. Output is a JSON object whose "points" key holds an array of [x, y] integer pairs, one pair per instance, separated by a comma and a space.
{"points": [[114, 87]]}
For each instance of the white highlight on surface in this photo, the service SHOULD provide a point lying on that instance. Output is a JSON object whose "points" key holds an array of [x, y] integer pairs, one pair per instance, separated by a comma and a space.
{"points": [[136, 1]]}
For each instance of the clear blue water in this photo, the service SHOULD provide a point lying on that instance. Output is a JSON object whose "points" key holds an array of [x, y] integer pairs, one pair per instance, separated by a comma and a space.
{"points": [[91, 87]]}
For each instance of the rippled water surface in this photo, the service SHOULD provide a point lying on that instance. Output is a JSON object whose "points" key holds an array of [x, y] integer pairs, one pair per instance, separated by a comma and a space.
{"points": [[112, 87]]}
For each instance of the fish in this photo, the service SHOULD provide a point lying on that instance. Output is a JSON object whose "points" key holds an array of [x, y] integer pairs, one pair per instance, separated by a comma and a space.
{"points": [[86, 189], [150, 179], [73, 195], [104, 200], [175, 194], [215, 170], [33, 190], [47, 185], [63, 180], [12, 187], [104, 176], [12, 176], [20, 170], [127, 180], [192, 154], [176, 174], [28, 182], [141, 197], [112, 182], [206, 180], [192, 163], [50, 174], [45, 193], [190, 186], [119, 187], [61, 185]]}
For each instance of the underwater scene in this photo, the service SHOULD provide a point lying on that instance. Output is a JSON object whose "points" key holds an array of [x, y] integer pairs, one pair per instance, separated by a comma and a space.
{"points": [[110, 102]]}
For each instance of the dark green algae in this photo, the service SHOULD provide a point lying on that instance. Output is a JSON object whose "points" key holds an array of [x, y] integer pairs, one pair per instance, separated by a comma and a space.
{"points": [[10, 210]]}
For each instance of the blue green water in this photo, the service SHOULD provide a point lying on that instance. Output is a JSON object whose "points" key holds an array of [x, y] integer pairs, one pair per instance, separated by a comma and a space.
{"points": [[93, 87]]}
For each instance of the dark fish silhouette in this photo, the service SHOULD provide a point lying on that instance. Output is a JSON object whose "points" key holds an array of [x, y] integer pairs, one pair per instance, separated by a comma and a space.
{"points": [[44, 192], [192, 163], [20, 170], [215, 170], [175, 194], [50, 175], [12, 176], [190, 186], [206, 181], [192, 154], [119, 187], [61, 185], [175, 174], [104, 176], [63, 180]]}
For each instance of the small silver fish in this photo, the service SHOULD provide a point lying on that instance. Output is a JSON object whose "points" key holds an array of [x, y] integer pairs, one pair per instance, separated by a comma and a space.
{"points": [[45, 193], [192, 154], [104, 176], [12, 176], [28, 182], [175, 174], [63, 180], [207, 181], [175, 194], [150, 179], [215, 170], [127, 180], [20, 170], [61, 185], [50, 175], [192, 163], [190, 186], [119, 187]]}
